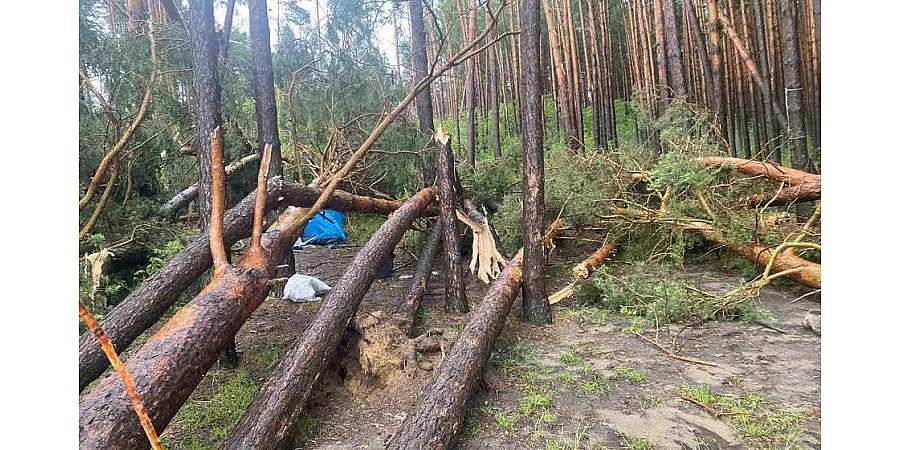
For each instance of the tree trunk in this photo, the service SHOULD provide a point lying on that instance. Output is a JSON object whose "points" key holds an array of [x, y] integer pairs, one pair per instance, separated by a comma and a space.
{"points": [[446, 182], [205, 46], [470, 90], [437, 417], [183, 198], [226, 33], [535, 305], [564, 105], [700, 45], [792, 86], [419, 283], [494, 87], [715, 58], [170, 365], [424, 109], [665, 88], [675, 64], [270, 420], [804, 192], [149, 301]]}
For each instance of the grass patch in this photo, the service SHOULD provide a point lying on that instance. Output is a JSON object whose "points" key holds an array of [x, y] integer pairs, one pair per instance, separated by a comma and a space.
{"points": [[570, 358], [534, 402], [595, 386], [632, 375], [760, 424], [635, 443], [210, 414]]}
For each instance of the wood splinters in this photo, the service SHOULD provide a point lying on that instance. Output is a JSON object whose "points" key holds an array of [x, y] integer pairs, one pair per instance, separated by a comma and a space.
{"points": [[217, 207], [259, 209]]}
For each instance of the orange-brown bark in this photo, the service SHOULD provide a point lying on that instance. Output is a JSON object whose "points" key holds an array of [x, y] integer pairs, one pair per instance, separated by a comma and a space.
{"points": [[792, 177], [591, 263]]}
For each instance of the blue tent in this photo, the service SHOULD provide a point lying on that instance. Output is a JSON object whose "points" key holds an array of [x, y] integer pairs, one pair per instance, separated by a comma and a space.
{"points": [[326, 227]]}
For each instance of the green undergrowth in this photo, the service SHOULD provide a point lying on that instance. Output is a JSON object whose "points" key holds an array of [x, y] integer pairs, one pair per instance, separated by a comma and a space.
{"points": [[657, 293], [210, 414], [760, 424]]}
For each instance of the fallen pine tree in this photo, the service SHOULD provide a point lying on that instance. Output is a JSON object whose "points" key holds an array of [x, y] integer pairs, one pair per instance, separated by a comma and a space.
{"points": [[149, 301], [270, 420], [419, 283], [438, 415], [801, 186]]}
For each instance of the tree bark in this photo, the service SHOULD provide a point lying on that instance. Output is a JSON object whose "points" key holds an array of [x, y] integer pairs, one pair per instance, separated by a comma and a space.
{"points": [[424, 109], [564, 104], [792, 177], [792, 86], [536, 308], [271, 419], [715, 58], [675, 64], [453, 268], [470, 90], [419, 282], [226, 33], [437, 417], [146, 304], [183, 198], [700, 45], [804, 192]]}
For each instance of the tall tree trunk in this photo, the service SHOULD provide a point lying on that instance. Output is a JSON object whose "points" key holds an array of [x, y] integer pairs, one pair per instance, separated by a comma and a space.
{"points": [[673, 51], [793, 86], [423, 99], [536, 307], [446, 180], [494, 87], [662, 64], [226, 33], [700, 46], [715, 59], [470, 88], [563, 94]]}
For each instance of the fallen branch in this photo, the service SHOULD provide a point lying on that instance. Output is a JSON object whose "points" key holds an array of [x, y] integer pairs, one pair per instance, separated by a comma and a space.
{"points": [[583, 271], [674, 355], [183, 198], [419, 282]]}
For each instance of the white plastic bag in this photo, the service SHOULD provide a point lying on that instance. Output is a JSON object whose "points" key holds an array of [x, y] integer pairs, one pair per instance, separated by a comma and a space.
{"points": [[304, 288]]}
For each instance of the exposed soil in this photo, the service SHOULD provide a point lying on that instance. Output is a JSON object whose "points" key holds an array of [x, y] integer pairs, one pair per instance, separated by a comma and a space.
{"points": [[590, 403]]}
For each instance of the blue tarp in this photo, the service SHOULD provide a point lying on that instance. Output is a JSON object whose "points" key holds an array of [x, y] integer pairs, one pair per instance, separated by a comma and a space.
{"points": [[326, 227]]}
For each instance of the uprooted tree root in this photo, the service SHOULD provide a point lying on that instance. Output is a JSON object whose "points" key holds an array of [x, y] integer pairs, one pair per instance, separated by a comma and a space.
{"points": [[380, 355]]}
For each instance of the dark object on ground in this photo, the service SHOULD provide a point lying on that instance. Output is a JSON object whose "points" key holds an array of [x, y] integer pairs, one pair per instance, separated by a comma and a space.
{"points": [[386, 268]]}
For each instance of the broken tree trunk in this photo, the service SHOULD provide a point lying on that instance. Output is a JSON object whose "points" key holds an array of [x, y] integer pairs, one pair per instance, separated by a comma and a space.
{"points": [[804, 192], [587, 267], [802, 186], [146, 304], [453, 269], [420, 279], [792, 177], [183, 198], [439, 414], [802, 271], [270, 420]]}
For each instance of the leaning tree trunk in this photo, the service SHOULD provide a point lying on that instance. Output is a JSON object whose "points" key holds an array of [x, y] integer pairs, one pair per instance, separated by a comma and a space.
{"points": [[146, 304], [271, 419], [173, 361], [536, 307], [439, 414], [419, 282], [453, 269]]}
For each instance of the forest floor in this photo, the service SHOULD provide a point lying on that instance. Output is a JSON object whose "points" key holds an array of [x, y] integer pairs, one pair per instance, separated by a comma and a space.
{"points": [[583, 382]]}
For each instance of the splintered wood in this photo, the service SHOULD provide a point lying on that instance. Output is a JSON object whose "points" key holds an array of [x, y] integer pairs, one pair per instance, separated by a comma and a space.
{"points": [[486, 260]]}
